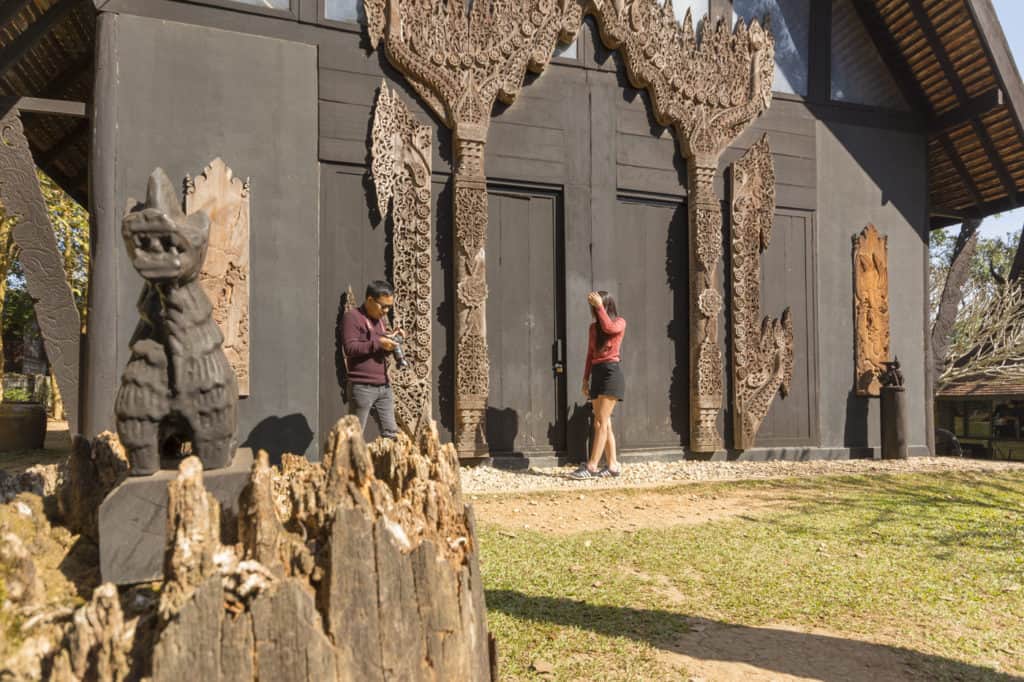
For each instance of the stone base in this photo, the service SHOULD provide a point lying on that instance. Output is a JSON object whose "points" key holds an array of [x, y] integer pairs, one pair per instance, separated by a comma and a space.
{"points": [[133, 519]]}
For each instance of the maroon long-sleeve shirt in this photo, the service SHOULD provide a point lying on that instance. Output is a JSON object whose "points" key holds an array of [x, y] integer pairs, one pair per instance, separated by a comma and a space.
{"points": [[614, 330], [360, 338]]}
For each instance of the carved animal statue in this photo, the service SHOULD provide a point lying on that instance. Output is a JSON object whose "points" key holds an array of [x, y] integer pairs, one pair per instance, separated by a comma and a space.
{"points": [[178, 386]]}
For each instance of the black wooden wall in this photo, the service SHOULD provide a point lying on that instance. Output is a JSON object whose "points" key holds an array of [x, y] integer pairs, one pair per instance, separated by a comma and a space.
{"points": [[587, 191]]}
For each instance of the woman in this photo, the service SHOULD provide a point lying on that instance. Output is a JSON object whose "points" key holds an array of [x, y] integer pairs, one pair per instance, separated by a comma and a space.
{"points": [[607, 384]]}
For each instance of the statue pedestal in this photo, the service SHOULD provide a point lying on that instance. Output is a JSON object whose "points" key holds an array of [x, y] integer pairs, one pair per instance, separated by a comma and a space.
{"points": [[133, 519]]}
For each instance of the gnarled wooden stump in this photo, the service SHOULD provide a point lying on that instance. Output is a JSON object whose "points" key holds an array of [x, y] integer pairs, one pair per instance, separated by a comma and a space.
{"points": [[363, 567]]}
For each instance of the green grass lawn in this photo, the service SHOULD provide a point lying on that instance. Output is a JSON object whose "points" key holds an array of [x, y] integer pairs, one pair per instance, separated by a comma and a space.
{"points": [[928, 566]]}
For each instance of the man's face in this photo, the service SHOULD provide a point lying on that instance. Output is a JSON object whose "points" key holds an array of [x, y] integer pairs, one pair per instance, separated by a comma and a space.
{"points": [[379, 307]]}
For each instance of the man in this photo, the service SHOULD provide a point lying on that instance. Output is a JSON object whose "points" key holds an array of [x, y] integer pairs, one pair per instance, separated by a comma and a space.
{"points": [[367, 343]]}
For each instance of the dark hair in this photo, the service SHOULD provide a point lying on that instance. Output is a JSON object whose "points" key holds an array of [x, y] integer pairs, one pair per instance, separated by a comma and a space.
{"points": [[378, 288], [609, 307]]}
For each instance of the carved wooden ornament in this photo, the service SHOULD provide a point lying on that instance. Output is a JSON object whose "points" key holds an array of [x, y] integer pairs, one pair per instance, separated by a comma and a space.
{"points": [[709, 92], [762, 350], [460, 62], [225, 275], [871, 308], [401, 153], [40, 258]]}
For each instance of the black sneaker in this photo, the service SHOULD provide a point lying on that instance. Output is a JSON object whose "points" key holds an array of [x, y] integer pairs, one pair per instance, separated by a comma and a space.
{"points": [[583, 473]]}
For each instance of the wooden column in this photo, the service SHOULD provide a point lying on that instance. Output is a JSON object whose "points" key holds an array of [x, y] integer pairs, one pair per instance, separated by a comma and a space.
{"points": [[472, 380]]}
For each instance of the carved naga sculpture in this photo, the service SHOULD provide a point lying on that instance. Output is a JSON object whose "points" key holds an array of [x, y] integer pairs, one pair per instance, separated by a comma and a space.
{"points": [[178, 386], [460, 62], [762, 350], [709, 92], [401, 173]]}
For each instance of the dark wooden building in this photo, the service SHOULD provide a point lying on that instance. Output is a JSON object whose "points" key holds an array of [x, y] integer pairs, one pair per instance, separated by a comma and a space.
{"points": [[904, 115]]}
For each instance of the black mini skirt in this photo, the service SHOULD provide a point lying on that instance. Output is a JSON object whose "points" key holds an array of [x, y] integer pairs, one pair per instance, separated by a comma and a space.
{"points": [[607, 379]]}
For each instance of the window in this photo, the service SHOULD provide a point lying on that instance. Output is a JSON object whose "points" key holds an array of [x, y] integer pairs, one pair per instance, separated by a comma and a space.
{"points": [[344, 10], [268, 4], [569, 51], [791, 26], [858, 73]]}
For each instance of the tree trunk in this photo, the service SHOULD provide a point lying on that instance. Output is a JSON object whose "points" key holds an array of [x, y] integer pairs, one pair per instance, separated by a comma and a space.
{"points": [[1017, 269], [952, 294]]}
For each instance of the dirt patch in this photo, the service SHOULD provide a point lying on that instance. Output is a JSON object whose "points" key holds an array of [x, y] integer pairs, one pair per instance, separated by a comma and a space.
{"points": [[625, 511], [735, 653]]}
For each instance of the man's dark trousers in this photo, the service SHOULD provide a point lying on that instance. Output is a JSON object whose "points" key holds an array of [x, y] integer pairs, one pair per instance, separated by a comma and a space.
{"points": [[367, 398]]}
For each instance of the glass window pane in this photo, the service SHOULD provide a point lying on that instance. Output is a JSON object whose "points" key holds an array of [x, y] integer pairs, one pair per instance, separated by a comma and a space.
{"points": [[858, 73], [268, 4], [344, 10], [566, 51], [791, 26]]}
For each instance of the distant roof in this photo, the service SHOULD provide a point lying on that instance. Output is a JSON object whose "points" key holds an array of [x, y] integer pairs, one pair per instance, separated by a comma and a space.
{"points": [[950, 58], [984, 387]]}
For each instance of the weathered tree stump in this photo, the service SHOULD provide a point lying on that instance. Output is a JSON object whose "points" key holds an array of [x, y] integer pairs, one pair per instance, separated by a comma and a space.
{"points": [[363, 567]]}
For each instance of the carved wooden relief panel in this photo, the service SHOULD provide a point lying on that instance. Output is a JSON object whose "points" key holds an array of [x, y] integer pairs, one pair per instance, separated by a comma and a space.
{"points": [[871, 308], [41, 260], [709, 91], [225, 275], [762, 350], [460, 62], [401, 173]]}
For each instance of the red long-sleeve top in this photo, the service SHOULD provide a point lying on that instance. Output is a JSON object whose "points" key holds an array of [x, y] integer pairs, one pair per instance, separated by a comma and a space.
{"points": [[614, 331]]}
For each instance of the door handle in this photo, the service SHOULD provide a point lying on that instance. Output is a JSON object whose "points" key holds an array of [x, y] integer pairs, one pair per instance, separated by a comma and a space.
{"points": [[559, 364]]}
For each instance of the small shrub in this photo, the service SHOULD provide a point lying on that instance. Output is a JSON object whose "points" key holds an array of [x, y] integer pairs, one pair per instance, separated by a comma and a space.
{"points": [[17, 395]]}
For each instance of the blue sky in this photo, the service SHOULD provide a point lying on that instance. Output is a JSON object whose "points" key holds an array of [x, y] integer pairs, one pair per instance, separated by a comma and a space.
{"points": [[1011, 16]]}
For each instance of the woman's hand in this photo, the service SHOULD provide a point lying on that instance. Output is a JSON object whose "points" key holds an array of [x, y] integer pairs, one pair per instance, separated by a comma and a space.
{"points": [[585, 390], [594, 299]]}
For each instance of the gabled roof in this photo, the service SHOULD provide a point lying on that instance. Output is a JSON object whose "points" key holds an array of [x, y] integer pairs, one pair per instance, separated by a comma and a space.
{"points": [[952, 61], [983, 386], [950, 58]]}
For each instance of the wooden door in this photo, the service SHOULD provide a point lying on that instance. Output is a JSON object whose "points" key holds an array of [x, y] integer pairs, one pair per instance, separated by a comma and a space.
{"points": [[525, 323], [649, 284]]}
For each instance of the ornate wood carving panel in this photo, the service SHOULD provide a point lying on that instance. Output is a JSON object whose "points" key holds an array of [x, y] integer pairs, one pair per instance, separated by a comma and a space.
{"points": [[871, 308], [762, 350], [225, 275], [401, 153], [709, 91], [460, 62], [44, 268]]}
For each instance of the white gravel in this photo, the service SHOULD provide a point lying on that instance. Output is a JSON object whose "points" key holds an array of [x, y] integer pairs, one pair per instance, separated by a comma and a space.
{"points": [[485, 479]]}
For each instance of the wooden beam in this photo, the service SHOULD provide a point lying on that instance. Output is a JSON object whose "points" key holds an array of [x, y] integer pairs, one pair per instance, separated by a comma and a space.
{"points": [[961, 169], [35, 32], [924, 20], [997, 206], [53, 107], [11, 9], [973, 108], [819, 68]]}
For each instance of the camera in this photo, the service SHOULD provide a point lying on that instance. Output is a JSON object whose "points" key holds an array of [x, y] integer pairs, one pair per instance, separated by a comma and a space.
{"points": [[400, 361]]}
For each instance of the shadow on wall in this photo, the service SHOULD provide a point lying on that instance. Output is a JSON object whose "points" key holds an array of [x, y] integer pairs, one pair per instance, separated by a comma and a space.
{"points": [[278, 435], [502, 429], [855, 430], [578, 432]]}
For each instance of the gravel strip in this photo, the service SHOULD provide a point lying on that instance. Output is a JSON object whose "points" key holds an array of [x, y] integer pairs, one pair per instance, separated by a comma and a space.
{"points": [[485, 479]]}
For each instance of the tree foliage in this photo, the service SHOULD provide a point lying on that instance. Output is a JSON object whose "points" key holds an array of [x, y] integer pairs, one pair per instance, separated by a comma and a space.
{"points": [[988, 335]]}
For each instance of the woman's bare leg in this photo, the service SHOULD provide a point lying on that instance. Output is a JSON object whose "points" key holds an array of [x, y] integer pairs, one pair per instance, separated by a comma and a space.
{"points": [[610, 452], [603, 406]]}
